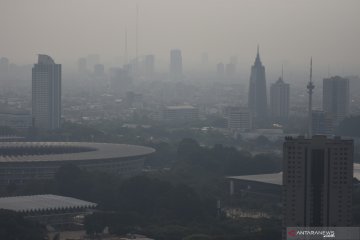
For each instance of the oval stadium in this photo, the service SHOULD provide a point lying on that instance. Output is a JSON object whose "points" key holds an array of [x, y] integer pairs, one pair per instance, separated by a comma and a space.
{"points": [[24, 161]]}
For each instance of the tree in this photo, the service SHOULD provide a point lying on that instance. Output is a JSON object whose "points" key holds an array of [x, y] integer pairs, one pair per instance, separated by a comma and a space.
{"points": [[13, 226]]}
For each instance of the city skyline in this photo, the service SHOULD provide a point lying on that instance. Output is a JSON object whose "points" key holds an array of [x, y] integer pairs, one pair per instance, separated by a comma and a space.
{"points": [[318, 34]]}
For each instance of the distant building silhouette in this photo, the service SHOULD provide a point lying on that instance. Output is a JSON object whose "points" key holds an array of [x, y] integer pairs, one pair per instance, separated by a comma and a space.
{"points": [[82, 65], [317, 182], [257, 102], [99, 70], [279, 101], [4, 66], [336, 98], [230, 70], [220, 70], [176, 67], [149, 65], [239, 119], [46, 93], [322, 123]]}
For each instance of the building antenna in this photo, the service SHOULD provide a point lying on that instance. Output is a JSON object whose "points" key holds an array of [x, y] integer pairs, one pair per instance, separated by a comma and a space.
{"points": [[310, 88], [282, 72], [137, 37], [126, 48]]}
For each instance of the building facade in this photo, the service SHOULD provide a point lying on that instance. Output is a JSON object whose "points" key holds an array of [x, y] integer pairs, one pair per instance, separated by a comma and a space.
{"points": [[46, 93], [279, 101], [180, 113], [176, 67], [336, 98], [257, 101], [239, 119], [317, 182], [322, 123]]}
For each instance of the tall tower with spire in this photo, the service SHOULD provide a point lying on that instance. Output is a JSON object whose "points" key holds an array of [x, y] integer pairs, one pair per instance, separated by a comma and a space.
{"points": [[310, 87], [257, 101]]}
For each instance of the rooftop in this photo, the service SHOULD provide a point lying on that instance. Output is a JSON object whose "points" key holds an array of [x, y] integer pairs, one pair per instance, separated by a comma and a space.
{"points": [[67, 151], [276, 178], [48, 202]]}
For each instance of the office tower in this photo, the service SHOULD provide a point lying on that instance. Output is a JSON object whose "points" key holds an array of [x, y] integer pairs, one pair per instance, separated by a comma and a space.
{"points": [[239, 119], [99, 70], [220, 70], [46, 93], [257, 102], [322, 123], [82, 65], [4, 66], [205, 59], [279, 101], [336, 98], [149, 65], [176, 69], [92, 60], [230, 70], [317, 182]]}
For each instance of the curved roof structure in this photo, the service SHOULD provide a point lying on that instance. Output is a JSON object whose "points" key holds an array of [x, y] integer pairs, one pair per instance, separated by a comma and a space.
{"points": [[12, 152], [276, 178], [48, 202]]}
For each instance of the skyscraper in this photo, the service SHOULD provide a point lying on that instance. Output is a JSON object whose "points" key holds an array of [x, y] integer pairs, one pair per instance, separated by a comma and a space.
{"points": [[257, 102], [176, 68], [149, 65], [46, 93], [317, 182], [279, 101], [220, 70], [322, 123], [336, 99]]}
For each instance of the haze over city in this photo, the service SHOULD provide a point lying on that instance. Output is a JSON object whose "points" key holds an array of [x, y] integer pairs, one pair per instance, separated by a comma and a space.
{"points": [[179, 120], [288, 32]]}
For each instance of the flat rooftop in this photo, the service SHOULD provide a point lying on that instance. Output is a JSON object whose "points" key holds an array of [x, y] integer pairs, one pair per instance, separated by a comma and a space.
{"points": [[276, 178], [11, 152], [36, 203]]}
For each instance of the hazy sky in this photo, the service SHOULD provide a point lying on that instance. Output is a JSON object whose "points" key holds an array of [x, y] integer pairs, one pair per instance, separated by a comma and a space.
{"points": [[289, 32]]}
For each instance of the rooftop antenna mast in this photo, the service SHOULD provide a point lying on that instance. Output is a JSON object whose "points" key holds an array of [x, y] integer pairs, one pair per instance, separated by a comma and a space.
{"points": [[137, 39], [310, 88], [282, 72], [126, 48]]}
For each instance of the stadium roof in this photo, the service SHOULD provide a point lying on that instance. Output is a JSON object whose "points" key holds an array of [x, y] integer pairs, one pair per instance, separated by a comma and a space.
{"points": [[276, 178], [36, 203], [67, 151], [272, 178]]}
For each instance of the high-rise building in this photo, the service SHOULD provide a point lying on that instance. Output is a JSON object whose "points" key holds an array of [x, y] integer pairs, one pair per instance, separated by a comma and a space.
{"points": [[4, 66], [99, 70], [230, 70], [317, 182], [46, 93], [220, 70], [149, 65], [257, 102], [176, 68], [336, 98], [82, 65], [322, 123], [279, 101]]}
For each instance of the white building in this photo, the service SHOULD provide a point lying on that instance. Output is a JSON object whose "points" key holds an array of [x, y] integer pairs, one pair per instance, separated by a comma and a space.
{"points": [[180, 113], [239, 119], [46, 93]]}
